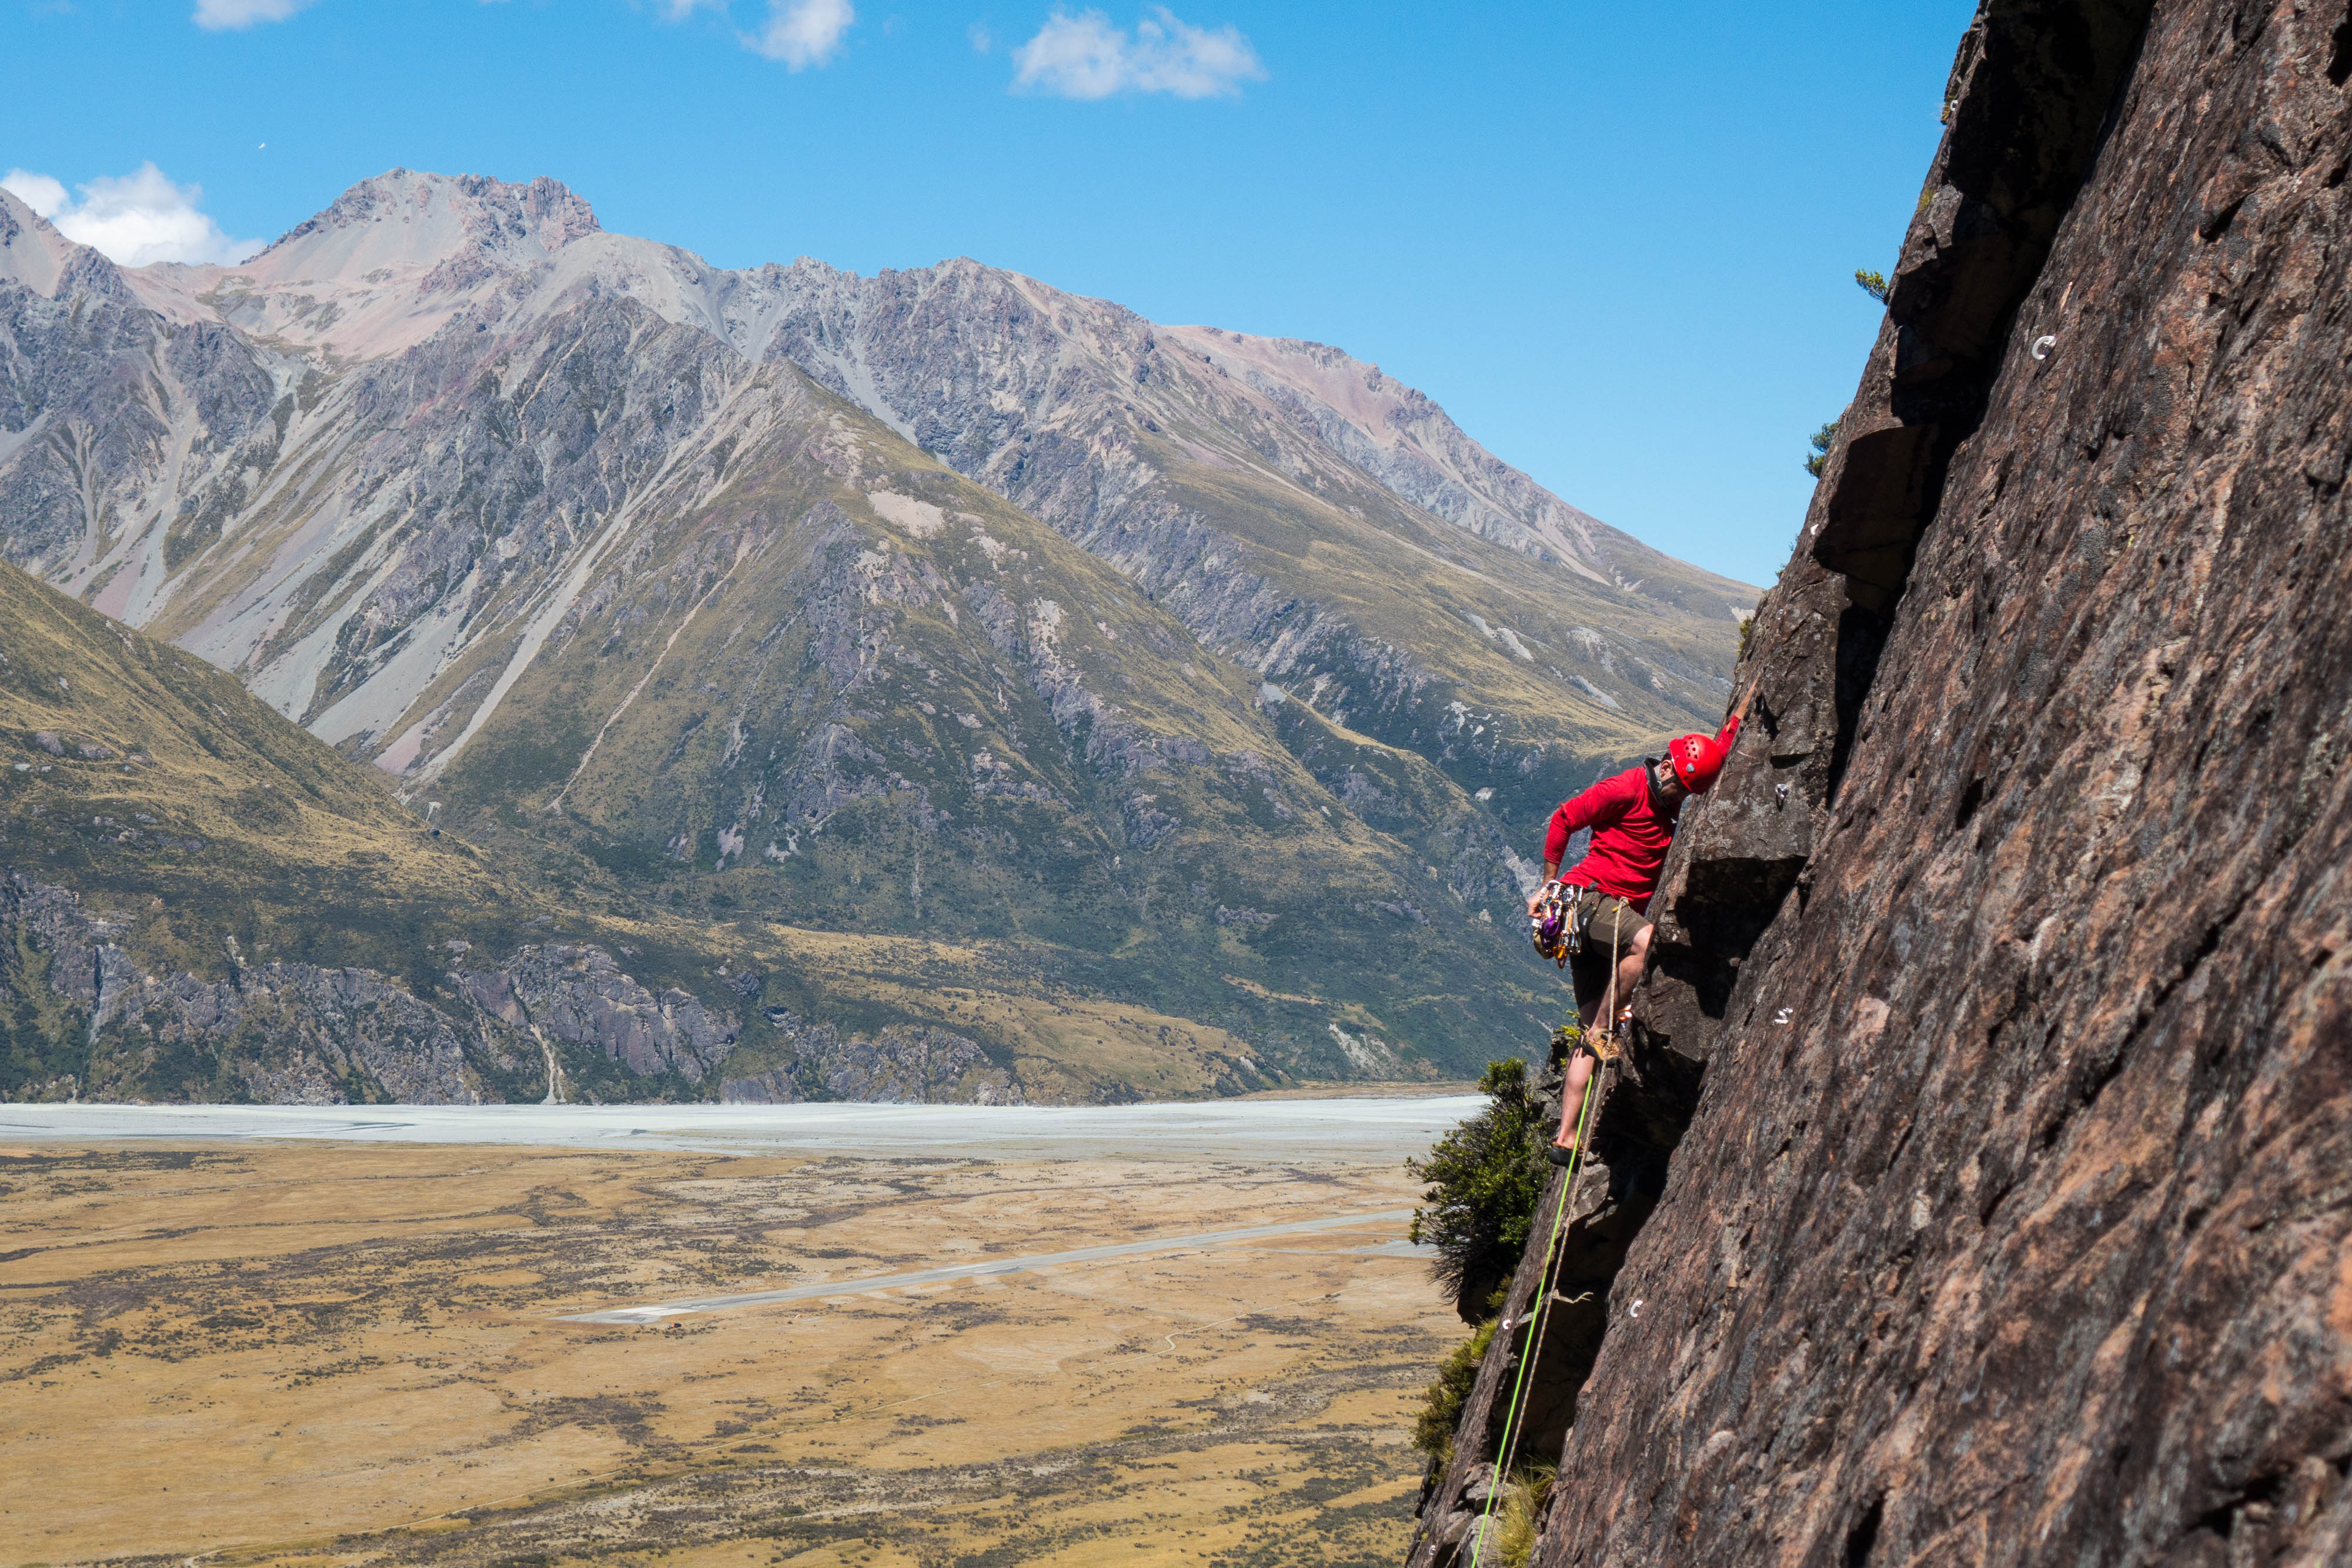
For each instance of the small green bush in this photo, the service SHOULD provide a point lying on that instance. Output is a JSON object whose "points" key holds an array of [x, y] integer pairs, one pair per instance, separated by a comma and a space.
{"points": [[1873, 284], [1484, 1178], [1821, 445], [1441, 1412]]}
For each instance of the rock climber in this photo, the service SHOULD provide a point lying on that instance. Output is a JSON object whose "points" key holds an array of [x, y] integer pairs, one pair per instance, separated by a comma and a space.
{"points": [[1632, 815]]}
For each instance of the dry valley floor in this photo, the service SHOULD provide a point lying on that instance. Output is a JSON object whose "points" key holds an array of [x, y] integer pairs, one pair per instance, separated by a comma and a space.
{"points": [[358, 1354]]}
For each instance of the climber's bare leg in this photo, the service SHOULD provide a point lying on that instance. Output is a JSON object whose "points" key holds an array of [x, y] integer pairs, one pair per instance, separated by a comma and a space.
{"points": [[1571, 1096], [1630, 966]]}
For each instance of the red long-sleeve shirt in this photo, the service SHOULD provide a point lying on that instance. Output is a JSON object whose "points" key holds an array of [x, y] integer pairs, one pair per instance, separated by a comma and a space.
{"points": [[1630, 836]]}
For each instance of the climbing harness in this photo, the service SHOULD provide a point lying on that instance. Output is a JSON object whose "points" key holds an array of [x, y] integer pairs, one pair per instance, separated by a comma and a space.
{"points": [[1605, 1049]]}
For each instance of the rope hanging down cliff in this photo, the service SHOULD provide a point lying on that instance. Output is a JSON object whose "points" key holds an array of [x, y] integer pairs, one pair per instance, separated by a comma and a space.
{"points": [[1506, 1451]]}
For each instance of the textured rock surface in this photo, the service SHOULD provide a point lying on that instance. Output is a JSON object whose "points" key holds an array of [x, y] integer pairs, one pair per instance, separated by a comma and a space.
{"points": [[296, 1034], [901, 1064], [291, 1033], [2010, 1223], [580, 995]]}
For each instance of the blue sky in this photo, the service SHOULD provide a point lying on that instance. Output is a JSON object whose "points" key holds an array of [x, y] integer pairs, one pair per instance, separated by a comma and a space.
{"points": [[1615, 241]]}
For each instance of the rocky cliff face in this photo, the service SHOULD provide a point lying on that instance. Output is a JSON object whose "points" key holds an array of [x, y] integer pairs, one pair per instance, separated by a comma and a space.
{"points": [[902, 1064], [1975, 1189], [548, 1020], [579, 994], [557, 1022]]}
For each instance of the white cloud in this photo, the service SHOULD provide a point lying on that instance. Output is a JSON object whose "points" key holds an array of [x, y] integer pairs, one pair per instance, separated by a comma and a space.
{"points": [[235, 16], [39, 191], [132, 219], [1085, 57], [679, 10], [982, 38], [802, 33]]}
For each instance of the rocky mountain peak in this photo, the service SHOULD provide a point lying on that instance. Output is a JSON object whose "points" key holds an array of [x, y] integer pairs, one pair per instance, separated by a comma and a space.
{"points": [[406, 219], [388, 263], [1404, 439], [32, 252]]}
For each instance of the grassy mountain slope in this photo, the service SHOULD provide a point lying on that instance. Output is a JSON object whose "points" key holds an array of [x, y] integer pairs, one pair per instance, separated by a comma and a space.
{"points": [[197, 898], [157, 785], [214, 849], [853, 692]]}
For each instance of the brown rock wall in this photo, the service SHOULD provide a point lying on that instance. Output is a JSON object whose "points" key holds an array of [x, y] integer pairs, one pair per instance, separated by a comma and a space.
{"points": [[2012, 1222]]}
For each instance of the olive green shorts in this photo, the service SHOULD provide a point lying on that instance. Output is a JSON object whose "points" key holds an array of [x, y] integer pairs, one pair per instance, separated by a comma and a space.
{"points": [[1615, 924]]}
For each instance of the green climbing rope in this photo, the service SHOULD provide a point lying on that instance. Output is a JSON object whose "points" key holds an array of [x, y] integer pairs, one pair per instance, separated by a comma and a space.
{"points": [[1508, 1448]]}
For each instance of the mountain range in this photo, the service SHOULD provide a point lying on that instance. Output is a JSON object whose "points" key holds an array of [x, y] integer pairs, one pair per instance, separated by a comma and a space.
{"points": [[1108, 708]]}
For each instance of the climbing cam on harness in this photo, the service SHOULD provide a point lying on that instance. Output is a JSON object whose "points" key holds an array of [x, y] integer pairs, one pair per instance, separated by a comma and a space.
{"points": [[1558, 924]]}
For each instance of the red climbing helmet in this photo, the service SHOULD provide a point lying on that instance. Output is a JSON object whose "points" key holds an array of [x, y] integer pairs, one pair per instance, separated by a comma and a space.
{"points": [[1697, 760]]}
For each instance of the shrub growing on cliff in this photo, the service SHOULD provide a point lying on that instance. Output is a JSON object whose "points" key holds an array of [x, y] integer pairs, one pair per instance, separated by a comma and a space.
{"points": [[1441, 1410], [1873, 284], [1484, 1178], [1821, 445]]}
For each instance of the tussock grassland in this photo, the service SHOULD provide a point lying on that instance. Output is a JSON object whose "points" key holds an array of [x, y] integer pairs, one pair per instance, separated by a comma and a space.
{"points": [[348, 1354]]}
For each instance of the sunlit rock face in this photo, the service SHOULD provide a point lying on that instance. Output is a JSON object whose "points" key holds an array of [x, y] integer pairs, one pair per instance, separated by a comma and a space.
{"points": [[1984, 1137]]}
